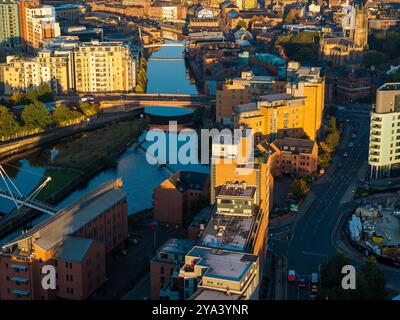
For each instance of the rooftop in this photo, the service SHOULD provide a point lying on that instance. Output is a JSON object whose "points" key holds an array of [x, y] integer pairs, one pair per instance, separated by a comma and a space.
{"points": [[390, 86], [223, 264], [237, 189], [189, 180], [67, 221], [228, 232], [209, 294], [177, 246], [295, 144], [73, 249]]}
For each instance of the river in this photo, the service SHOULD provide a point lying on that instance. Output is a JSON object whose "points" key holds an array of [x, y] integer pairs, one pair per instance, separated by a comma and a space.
{"points": [[139, 177]]}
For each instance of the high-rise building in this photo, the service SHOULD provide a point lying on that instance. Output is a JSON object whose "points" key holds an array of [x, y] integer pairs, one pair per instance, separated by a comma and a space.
{"points": [[384, 142], [9, 24], [22, 6], [40, 24]]}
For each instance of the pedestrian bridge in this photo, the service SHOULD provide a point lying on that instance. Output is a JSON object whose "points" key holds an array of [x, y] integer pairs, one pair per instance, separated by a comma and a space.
{"points": [[165, 59]]}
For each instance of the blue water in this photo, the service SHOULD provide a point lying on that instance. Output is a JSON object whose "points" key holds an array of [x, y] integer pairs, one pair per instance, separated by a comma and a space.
{"points": [[139, 177]]}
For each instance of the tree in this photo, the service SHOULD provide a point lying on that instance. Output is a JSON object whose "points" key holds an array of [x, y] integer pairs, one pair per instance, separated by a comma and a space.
{"points": [[35, 115], [64, 114], [290, 17], [44, 93], [242, 24], [32, 95], [18, 98], [89, 109], [374, 58], [299, 189], [370, 282], [8, 125]]}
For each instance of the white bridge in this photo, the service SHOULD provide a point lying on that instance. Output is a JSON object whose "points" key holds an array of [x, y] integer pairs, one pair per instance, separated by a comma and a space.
{"points": [[34, 204], [11, 192]]}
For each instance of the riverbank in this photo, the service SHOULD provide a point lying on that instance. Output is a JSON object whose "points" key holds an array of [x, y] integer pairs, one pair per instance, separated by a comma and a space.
{"points": [[78, 161]]}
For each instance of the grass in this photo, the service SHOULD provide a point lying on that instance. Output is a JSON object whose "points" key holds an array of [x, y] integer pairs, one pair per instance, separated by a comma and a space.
{"points": [[60, 178], [98, 149], [84, 156]]}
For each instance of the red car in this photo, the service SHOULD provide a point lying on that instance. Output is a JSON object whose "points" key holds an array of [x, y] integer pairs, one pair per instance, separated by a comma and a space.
{"points": [[291, 276]]}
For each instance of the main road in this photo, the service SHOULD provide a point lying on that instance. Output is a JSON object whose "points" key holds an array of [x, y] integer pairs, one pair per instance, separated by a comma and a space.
{"points": [[310, 239]]}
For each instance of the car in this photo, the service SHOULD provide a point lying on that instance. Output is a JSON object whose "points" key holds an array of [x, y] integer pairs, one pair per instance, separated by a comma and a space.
{"points": [[340, 165], [291, 276], [302, 283], [353, 135], [351, 145], [314, 278], [314, 288], [345, 154]]}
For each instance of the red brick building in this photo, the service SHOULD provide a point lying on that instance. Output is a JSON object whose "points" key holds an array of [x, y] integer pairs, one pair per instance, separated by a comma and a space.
{"points": [[174, 198], [74, 241]]}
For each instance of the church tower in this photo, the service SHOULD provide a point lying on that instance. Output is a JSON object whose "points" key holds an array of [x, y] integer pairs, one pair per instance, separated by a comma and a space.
{"points": [[360, 33]]}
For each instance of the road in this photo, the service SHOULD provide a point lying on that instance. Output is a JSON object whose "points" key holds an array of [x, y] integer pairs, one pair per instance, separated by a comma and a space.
{"points": [[311, 237]]}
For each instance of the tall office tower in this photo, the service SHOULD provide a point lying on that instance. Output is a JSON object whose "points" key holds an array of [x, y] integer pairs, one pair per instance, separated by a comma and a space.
{"points": [[9, 24], [104, 67], [360, 32], [384, 141], [40, 24]]}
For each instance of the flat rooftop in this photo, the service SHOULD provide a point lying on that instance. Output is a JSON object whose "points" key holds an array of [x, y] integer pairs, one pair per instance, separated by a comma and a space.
{"points": [[209, 294], [223, 264], [228, 232], [236, 190], [177, 246]]}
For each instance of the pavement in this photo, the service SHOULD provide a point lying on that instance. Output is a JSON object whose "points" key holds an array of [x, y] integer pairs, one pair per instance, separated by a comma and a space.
{"points": [[309, 240]]}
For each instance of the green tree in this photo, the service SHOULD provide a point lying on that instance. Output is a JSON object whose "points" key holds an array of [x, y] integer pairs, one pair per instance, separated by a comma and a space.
{"points": [[299, 189], [8, 125], [63, 114], [290, 17], [44, 93], [242, 24], [35, 115], [89, 109], [32, 95], [394, 77], [18, 98], [374, 58], [375, 279]]}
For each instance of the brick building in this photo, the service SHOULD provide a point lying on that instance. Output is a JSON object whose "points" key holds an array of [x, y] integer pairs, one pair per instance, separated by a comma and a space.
{"points": [[75, 241], [173, 198]]}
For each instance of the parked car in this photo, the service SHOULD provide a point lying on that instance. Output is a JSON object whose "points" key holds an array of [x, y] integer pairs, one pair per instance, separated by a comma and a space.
{"points": [[340, 165], [302, 283]]}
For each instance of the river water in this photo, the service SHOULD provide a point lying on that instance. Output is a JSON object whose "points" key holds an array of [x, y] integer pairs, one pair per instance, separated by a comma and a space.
{"points": [[139, 177]]}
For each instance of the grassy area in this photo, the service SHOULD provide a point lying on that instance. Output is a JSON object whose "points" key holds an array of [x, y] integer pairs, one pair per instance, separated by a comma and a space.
{"points": [[98, 149], [82, 157], [60, 178]]}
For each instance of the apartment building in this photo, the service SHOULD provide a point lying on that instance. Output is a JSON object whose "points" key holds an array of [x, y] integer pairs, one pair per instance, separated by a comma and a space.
{"points": [[294, 157], [48, 67], [104, 67], [68, 66], [9, 24], [384, 145], [296, 113], [40, 24], [22, 7], [75, 241], [245, 89]]}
